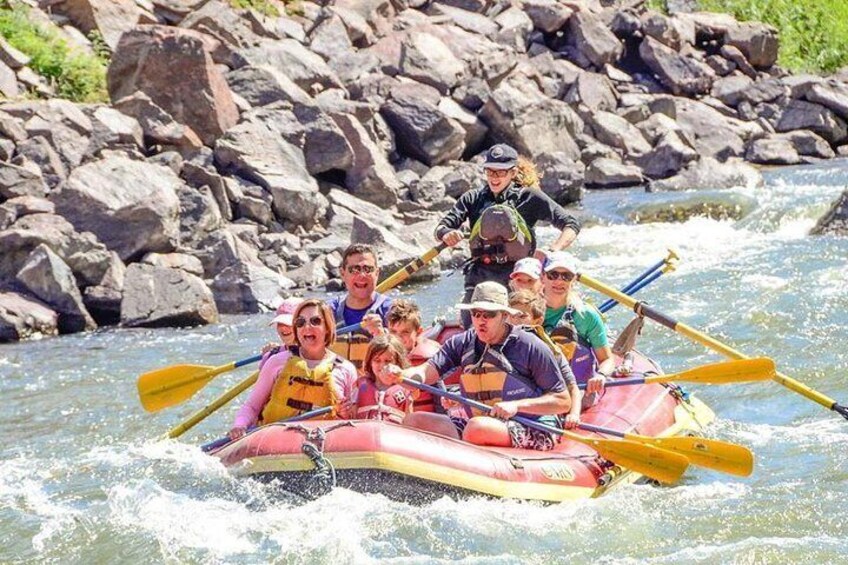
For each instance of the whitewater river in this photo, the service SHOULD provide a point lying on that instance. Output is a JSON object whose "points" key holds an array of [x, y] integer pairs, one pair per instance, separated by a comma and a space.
{"points": [[83, 479]]}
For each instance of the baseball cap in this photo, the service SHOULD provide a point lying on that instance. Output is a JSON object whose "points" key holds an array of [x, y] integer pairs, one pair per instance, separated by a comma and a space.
{"points": [[561, 260], [529, 266], [500, 157], [285, 311]]}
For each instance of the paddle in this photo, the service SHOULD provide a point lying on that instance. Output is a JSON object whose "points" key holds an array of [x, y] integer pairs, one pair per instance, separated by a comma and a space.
{"points": [[656, 463], [643, 309], [650, 275], [174, 385], [386, 285], [220, 442], [710, 453], [725, 372]]}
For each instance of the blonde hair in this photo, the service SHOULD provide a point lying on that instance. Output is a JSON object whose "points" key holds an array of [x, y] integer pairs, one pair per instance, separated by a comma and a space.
{"points": [[326, 315], [532, 300], [526, 174], [381, 343]]}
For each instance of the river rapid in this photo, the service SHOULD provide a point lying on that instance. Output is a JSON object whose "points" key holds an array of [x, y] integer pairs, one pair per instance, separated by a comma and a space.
{"points": [[83, 478]]}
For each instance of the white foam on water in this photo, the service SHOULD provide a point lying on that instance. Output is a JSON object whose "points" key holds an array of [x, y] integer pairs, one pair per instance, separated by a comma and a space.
{"points": [[830, 431]]}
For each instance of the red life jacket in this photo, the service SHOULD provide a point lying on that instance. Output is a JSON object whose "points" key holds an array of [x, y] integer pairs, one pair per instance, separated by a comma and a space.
{"points": [[422, 352], [391, 405]]}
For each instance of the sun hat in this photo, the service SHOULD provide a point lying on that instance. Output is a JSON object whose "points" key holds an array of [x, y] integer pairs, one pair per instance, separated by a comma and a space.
{"points": [[285, 311], [490, 296], [561, 260], [500, 157], [529, 266]]}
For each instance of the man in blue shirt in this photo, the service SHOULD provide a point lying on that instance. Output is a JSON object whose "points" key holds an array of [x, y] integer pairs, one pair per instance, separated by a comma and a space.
{"points": [[504, 366]]}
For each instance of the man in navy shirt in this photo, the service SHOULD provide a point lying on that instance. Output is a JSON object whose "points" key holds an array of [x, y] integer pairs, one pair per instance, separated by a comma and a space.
{"points": [[362, 303], [504, 366]]}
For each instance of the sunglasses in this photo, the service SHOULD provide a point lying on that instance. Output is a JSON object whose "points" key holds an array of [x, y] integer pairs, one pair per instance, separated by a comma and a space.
{"points": [[554, 275], [364, 269], [498, 173], [486, 314], [313, 321]]}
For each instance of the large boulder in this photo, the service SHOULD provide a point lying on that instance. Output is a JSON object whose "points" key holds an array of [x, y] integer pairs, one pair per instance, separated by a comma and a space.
{"points": [[22, 317], [561, 177], [519, 114], [814, 117], [422, 131], [265, 85], [426, 59], [834, 222], [832, 95], [712, 133], [547, 15], [174, 67], [593, 90], [47, 277], [21, 181], [758, 42], [157, 125], [85, 255], [247, 288], [615, 131], [611, 173], [257, 151], [105, 196], [708, 173], [682, 75], [108, 18], [156, 296], [307, 69], [809, 144], [593, 39], [670, 154], [772, 151]]}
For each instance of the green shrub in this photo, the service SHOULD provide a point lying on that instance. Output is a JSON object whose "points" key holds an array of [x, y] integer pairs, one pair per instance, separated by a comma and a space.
{"points": [[76, 76], [262, 6], [813, 33]]}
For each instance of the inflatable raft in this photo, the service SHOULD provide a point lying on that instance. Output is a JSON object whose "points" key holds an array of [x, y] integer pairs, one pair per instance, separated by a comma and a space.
{"points": [[407, 464]]}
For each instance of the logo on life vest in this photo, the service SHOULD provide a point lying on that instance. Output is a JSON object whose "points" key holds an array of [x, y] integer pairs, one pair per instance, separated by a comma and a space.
{"points": [[558, 472]]}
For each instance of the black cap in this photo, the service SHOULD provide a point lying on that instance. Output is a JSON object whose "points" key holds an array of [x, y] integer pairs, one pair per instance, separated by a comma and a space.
{"points": [[500, 156]]}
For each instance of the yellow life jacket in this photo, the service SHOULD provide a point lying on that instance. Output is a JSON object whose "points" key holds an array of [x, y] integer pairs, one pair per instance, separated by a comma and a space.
{"points": [[352, 347], [298, 389]]}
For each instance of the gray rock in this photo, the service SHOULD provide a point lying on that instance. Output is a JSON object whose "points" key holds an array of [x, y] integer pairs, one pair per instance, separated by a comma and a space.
{"points": [[370, 176], [593, 90], [834, 222], [61, 122], [112, 129], [247, 288], [426, 59], [174, 68], [707, 173], [48, 278], [756, 93], [307, 69], [393, 252], [720, 65], [729, 89], [469, 21], [312, 274], [106, 196], [833, 96], [11, 57], [735, 55], [23, 318], [670, 154], [157, 125], [615, 131], [712, 133], [330, 37], [222, 249], [656, 126], [809, 144], [422, 131], [21, 181], [759, 42], [772, 151], [561, 177], [593, 39], [519, 114], [805, 115], [256, 151], [88, 258], [103, 300], [21, 206], [680, 74], [8, 82], [265, 85], [161, 296], [547, 15], [39, 151], [475, 129], [516, 27], [108, 18], [671, 32], [610, 173], [187, 263]]}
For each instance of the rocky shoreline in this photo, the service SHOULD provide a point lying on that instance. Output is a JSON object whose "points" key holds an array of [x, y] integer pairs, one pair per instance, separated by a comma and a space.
{"points": [[241, 152]]}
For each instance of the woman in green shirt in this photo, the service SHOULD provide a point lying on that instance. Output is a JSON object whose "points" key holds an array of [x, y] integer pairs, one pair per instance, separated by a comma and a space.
{"points": [[572, 322]]}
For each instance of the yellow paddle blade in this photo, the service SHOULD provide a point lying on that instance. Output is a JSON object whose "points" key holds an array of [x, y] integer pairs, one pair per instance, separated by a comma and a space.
{"points": [[653, 462], [175, 384], [743, 370], [710, 453]]}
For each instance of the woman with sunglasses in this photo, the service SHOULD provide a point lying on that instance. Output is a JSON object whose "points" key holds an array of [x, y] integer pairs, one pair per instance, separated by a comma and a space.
{"points": [[312, 376], [575, 326], [503, 234]]}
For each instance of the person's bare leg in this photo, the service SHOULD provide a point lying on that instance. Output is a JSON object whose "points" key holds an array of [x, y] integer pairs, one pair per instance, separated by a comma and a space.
{"points": [[430, 422], [483, 430]]}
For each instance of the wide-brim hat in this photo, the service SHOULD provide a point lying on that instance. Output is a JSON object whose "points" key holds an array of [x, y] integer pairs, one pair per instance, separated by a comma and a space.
{"points": [[501, 157], [490, 296]]}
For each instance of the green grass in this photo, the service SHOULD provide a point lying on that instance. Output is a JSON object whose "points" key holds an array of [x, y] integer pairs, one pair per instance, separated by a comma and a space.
{"points": [[76, 76], [813, 33], [261, 6]]}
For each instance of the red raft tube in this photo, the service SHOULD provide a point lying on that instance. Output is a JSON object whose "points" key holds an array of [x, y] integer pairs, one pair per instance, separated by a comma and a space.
{"points": [[407, 464]]}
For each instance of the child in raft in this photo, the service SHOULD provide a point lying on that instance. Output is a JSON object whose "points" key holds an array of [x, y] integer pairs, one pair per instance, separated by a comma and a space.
{"points": [[376, 399], [532, 308]]}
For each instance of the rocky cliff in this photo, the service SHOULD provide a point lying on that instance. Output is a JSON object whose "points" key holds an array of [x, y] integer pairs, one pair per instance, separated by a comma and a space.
{"points": [[242, 151]]}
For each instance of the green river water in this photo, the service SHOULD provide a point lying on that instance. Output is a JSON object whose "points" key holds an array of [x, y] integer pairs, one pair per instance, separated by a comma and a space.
{"points": [[82, 479]]}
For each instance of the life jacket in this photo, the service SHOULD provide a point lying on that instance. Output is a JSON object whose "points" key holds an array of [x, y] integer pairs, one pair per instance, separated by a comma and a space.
{"points": [[422, 352], [492, 378], [298, 389], [354, 346], [500, 235], [578, 352], [390, 405]]}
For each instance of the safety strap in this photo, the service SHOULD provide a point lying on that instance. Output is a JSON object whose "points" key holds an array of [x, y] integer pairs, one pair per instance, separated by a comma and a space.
{"points": [[627, 340]]}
